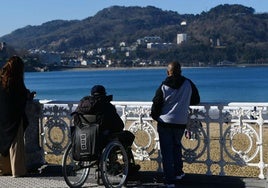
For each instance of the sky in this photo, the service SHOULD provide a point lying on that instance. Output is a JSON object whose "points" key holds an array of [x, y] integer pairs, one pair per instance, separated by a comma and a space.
{"points": [[15, 14]]}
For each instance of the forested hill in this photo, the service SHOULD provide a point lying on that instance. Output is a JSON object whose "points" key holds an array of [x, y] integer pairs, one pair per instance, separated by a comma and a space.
{"points": [[230, 24], [108, 27]]}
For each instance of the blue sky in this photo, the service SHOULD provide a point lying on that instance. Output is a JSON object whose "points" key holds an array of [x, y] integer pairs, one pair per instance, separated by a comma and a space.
{"points": [[15, 14]]}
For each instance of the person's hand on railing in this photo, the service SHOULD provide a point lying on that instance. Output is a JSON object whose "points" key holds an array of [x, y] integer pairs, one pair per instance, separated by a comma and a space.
{"points": [[31, 95]]}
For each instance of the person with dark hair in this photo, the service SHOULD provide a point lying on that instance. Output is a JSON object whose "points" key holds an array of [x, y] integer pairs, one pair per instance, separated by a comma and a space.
{"points": [[110, 123], [13, 120], [170, 109]]}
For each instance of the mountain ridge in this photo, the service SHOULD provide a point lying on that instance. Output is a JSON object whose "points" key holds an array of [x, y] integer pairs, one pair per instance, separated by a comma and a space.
{"points": [[232, 27]]}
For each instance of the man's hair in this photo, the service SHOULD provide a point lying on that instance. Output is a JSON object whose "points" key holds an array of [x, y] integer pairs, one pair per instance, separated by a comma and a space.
{"points": [[174, 68]]}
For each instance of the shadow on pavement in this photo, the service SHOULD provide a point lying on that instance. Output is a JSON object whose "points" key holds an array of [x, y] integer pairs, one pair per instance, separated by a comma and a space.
{"points": [[155, 179]]}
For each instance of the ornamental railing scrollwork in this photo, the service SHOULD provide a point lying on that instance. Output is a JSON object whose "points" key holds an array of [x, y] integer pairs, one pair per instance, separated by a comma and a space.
{"points": [[55, 127], [247, 124], [195, 142], [235, 130], [138, 121]]}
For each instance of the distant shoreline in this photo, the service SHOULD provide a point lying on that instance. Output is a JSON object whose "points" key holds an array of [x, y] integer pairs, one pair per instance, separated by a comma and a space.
{"points": [[111, 68], [138, 68]]}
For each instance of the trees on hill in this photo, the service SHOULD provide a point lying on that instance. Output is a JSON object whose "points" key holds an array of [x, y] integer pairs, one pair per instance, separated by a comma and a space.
{"points": [[226, 32]]}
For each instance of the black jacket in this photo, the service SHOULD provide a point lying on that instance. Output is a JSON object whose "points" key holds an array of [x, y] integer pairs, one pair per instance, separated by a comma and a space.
{"points": [[12, 112], [107, 116]]}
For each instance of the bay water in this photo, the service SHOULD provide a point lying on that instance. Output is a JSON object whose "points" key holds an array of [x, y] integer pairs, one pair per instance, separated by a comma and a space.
{"points": [[215, 84]]}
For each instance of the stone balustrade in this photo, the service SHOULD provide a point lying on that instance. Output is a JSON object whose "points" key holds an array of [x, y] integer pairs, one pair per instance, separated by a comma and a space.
{"points": [[219, 134]]}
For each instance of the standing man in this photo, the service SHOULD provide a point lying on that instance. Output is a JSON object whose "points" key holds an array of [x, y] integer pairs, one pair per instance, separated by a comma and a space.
{"points": [[170, 109]]}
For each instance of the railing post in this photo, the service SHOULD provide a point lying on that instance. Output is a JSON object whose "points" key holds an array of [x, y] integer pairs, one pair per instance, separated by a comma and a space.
{"points": [[261, 164]]}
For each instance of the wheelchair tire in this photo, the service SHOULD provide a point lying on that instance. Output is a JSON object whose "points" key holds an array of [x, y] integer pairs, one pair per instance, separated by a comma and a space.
{"points": [[114, 165], [74, 172]]}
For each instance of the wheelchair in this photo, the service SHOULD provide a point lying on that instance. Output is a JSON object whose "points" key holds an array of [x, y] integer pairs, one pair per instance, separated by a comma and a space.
{"points": [[110, 166]]}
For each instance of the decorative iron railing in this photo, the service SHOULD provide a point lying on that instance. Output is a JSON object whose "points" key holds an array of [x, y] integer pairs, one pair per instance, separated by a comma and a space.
{"points": [[219, 134]]}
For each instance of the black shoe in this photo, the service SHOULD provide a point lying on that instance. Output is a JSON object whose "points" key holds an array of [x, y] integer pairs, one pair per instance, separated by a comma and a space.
{"points": [[133, 168]]}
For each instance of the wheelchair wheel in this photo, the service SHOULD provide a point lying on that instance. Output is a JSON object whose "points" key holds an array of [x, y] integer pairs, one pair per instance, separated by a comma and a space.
{"points": [[114, 165], [75, 173]]}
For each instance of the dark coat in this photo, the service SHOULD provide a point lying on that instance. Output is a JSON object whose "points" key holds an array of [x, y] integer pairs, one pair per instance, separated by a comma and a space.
{"points": [[12, 111], [107, 116]]}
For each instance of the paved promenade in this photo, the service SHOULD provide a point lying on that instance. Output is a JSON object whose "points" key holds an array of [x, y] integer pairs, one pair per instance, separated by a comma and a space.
{"points": [[51, 178]]}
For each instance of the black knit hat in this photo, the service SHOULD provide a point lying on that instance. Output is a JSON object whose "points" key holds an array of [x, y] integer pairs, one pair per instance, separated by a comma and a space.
{"points": [[98, 90]]}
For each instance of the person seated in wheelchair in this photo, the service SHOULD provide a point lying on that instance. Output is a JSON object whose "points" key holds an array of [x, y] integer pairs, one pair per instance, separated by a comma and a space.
{"points": [[110, 124]]}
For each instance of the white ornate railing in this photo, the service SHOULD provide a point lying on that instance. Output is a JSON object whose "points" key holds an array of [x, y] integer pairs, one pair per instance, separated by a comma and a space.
{"points": [[234, 132]]}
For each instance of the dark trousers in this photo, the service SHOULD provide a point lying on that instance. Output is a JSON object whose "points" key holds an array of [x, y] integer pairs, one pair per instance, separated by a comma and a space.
{"points": [[171, 150]]}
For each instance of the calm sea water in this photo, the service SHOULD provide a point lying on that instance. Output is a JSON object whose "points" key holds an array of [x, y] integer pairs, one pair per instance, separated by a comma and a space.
{"points": [[222, 84]]}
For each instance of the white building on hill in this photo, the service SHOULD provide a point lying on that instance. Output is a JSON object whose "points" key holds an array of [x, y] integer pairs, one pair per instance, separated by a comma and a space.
{"points": [[181, 37]]}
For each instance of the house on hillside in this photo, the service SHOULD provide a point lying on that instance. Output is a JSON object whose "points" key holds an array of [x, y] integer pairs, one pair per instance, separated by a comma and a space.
{"points": [[50, 58]]}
